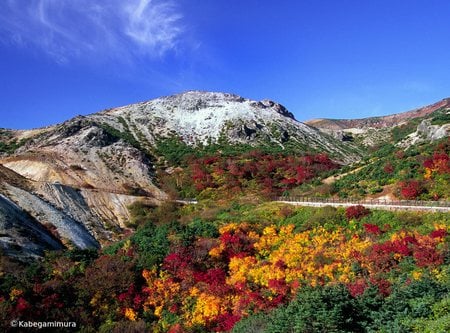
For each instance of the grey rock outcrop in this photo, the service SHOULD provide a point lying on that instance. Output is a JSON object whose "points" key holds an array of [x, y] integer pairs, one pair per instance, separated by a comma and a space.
{"points": [[21, 236]]}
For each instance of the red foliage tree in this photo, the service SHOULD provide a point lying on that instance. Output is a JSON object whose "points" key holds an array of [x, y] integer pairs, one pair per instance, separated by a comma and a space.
{"points": [[357, 288], [177, 328], [356, 212], [372, 229], [225, 322], [303, 174], [439, 162], [439, 233], [410, 189], [388, 168], [201, 177], [399, 154], [426, 254], [383, 285]]}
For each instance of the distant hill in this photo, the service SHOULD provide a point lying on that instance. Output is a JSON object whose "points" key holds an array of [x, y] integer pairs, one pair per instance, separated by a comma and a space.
{"points": [[372, 131], [378, 122], [407, 154]]}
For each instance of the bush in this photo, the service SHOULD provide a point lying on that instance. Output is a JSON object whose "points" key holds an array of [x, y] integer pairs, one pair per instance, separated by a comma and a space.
{"points": [[410, 189], [320, 309], [407, 303], [152, 244], [356, 212]]}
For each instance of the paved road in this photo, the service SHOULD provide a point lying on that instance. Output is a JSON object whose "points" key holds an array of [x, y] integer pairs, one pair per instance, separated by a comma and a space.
{"points": [[369, 205]]}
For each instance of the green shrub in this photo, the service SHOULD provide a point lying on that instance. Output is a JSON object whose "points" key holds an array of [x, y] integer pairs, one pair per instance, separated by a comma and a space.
{"points": [[320, 309], [152, 244]]}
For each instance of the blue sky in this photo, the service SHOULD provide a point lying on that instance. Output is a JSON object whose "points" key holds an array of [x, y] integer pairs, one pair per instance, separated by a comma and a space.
{"points": [[319, 58]]}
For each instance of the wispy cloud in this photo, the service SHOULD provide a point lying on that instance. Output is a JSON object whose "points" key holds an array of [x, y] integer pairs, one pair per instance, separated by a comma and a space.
{"points": [[119, 29]]}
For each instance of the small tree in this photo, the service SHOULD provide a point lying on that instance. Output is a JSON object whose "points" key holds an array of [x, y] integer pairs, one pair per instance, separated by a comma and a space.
{"points": [[410, 189], [356, 212]]}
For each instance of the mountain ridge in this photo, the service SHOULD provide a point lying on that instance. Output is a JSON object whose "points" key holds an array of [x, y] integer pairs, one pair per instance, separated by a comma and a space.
{"points": [[377, 121]]}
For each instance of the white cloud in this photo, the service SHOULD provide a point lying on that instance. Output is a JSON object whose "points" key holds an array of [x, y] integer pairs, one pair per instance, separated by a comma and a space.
{"points": [[68, 29], [153, 25]]}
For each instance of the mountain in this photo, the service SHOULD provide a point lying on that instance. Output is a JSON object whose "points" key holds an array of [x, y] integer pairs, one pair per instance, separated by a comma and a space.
{"points": [[73, 182], [375, 130], [379, 122], [204, 117], [407, 154]]}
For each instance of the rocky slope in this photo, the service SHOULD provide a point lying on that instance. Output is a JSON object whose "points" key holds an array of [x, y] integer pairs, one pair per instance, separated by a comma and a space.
{"points": [[21, 236], [203, 117], [377, 130], [74, 181], [30, 224]]}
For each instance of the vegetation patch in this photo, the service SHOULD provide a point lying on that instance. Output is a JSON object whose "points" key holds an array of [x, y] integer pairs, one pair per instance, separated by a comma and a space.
{"points": [[10, 146], [247, 268], [421, 172]]}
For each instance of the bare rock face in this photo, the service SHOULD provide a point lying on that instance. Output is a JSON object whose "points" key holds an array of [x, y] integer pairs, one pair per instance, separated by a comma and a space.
{"points": [[432, 132], [30, 224], [21, 236], [426, 132], [203, 117], [64, 225]]}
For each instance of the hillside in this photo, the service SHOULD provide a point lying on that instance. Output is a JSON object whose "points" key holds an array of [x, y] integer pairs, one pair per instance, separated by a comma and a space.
{"points": [[91, 231], [222, 266], [407, 156], [88, 170], [388, 129], [393, 120]]}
